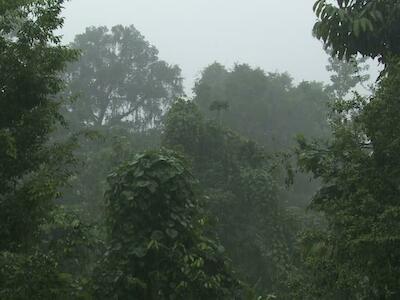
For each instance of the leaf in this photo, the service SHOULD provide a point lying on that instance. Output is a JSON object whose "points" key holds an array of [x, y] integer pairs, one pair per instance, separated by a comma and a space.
{"points": [[172, 233], [65, 277], [318, 6], [139, 252], [157, 235], [143, 183]]}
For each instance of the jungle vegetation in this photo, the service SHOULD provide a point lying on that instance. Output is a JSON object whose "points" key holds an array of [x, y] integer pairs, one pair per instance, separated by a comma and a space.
{"points": [[116, 185]]}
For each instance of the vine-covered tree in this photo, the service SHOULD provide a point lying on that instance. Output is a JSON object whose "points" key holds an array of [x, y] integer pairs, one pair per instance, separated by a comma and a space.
{"points": [[158, 247]]}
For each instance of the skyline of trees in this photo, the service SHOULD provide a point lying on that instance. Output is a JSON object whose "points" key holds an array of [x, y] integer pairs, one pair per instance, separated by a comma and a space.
{"points": [[114, 185]]}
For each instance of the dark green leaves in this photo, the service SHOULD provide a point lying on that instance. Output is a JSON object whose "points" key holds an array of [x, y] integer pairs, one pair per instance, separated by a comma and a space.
{"points": [[358, 27], [172, 233], [357, 256], [32, 169], [157, 235]]}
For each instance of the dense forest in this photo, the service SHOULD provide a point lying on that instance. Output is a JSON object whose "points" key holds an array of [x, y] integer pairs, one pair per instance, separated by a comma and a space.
{"points": [[114, 184]]}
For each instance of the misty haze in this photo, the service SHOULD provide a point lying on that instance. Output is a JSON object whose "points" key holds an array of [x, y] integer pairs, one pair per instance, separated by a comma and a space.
{"points": [[192, 150]]}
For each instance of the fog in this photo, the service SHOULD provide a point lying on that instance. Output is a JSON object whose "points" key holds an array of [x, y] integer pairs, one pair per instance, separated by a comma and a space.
{"points": [[199, 149], [274, 34]]}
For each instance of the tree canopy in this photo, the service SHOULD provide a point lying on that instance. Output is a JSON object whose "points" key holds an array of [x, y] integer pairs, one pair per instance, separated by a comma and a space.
{"points": [[158, 247], [265, 107], [33, 166], [367, 27], [356, 256], [120, 80], [112, 186], [241, 183], [31, 61]]}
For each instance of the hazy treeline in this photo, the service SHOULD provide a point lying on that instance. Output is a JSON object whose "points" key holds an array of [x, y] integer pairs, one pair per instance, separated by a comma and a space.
{"points": [[116, 185]]}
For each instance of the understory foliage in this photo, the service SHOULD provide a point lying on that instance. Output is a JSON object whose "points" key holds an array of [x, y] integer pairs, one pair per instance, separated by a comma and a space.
{"points": [[156, 231]]}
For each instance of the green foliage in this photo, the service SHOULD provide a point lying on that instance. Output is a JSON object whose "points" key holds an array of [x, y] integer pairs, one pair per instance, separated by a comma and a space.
{"points": [[183, 126], [357, 257], [123, 89], [74, 244], [240, 183], [269, 109], [158, 249], [351, 27], [120, 80], [97, 156], [156, 241], [33, 277], [31, 60], [265, 107], [56, 267], [359, 174], [40, 258], [346, 75]]}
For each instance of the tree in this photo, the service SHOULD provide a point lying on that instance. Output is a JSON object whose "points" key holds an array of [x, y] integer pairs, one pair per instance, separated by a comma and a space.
{"points": [[31, 168], [210, 88], [240, 182], [351, 27], [123, 91], [97, 155], [120, 80], [346, 75], [359, 170], [158, 247], [265, 107], [33, 248], [57, 266]]}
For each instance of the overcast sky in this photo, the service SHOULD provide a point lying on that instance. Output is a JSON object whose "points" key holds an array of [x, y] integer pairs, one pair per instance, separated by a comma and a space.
{"points": [[272, 34]]}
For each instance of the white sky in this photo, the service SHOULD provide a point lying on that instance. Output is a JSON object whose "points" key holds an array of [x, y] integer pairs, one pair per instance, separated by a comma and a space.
{"points": [[272, 34]]}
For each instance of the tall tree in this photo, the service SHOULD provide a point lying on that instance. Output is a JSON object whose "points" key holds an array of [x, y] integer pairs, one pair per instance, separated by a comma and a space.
{"points": [[31, 62], [265, 107], [357, 256], [35, 241], [120, 80], [124, 89]]}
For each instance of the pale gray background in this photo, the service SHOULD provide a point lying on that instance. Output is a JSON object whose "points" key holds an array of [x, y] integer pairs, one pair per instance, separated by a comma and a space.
{"points": [[272, 34]]}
